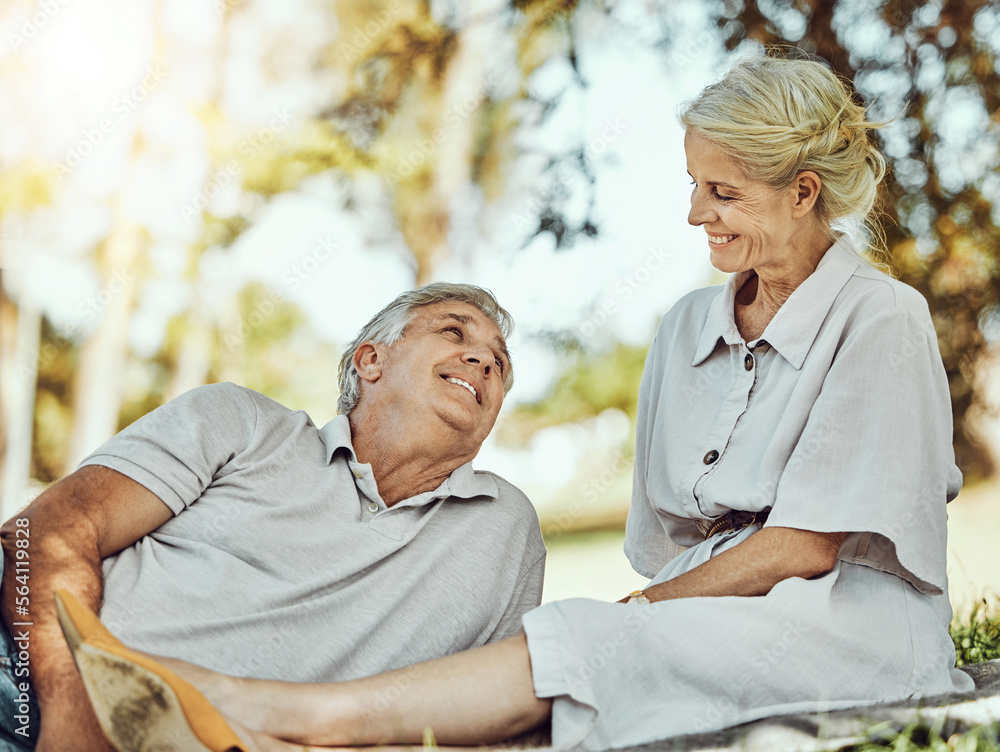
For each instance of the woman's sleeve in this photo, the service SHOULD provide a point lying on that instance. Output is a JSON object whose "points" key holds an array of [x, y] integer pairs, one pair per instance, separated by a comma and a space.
{"points": [[875, 457]]}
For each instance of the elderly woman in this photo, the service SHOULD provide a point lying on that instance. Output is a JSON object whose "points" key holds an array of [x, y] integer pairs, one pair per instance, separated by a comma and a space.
{"points": [[794, 436]]}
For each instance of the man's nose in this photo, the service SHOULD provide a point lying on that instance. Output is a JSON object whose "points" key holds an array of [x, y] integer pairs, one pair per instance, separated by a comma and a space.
{"points": [[481, 357]]}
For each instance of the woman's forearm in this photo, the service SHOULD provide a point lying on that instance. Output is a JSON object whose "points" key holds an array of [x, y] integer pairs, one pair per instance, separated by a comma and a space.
{"points": [[756, 565]]}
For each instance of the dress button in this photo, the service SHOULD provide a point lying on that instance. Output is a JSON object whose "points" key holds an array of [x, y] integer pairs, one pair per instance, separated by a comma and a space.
{"points": [[711, 457], [373, 507], [357, 474], [748, 362]]}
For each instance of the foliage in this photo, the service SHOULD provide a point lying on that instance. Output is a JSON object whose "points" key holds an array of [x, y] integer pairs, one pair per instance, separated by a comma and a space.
{"points": [[927, 61], [277, 355], [415, 104], [920, 736], [977, 636], [53, 404], [591, 382]]}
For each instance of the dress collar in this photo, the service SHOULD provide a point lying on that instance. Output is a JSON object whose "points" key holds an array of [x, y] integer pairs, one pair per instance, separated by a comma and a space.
{"points": [[794, 327]]}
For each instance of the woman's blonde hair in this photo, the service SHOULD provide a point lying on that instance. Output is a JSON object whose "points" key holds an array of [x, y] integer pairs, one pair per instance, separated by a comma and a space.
{"points": [[777, 117]]}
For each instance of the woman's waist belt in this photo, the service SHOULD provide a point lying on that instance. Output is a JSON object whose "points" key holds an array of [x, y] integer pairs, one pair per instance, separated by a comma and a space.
{"points": [[736, 520]]}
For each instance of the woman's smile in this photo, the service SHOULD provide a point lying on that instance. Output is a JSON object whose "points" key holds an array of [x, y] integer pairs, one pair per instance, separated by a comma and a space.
{"points": [[721, 241]]}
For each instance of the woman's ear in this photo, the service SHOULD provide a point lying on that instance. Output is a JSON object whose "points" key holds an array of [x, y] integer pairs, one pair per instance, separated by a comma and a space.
{"points": [[807, 186], [368, 362]]}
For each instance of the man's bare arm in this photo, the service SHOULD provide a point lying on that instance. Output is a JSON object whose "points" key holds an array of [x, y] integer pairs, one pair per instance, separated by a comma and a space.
{"points": [[70, 528]]}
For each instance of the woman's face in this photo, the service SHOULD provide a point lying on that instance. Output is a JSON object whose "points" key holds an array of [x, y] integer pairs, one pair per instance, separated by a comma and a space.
{"points": [[749, 224]]}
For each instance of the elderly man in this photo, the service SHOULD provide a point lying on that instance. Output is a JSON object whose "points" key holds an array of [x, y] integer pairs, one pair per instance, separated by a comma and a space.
{"points": [[230, 531]]}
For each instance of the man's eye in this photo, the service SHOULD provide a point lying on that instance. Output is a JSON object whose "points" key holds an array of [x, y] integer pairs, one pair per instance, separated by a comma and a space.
{"points": [[499, 364], [453, 329]]}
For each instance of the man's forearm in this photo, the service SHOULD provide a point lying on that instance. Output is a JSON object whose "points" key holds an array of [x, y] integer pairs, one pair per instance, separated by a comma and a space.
{"points": [[41, 555], [64, 536], [756, 565]]}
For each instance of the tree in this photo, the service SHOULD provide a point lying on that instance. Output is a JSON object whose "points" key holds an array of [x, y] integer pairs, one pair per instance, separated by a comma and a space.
{"points": [[923, 60]]}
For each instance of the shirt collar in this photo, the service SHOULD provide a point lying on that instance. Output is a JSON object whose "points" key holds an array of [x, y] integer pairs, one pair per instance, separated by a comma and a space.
{"points": [[794, 327], [463, 483], [337, 435]]}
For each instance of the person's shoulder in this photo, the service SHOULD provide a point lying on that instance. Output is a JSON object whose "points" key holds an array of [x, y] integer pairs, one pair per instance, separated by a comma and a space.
{"points": [[878, 293], [506, 489], [692, 307], [233, 398], [510, 497], [872, 299]]}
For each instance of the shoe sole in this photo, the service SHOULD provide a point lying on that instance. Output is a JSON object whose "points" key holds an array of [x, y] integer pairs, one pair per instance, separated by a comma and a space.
{"points": [[137, 710]]}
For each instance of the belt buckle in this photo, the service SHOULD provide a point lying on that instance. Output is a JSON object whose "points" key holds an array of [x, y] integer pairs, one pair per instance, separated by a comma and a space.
{"points": [[734, 520], [719, 525]]}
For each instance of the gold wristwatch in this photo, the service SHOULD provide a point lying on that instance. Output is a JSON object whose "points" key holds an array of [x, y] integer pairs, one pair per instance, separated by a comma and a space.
{"points": [[639, 597]]}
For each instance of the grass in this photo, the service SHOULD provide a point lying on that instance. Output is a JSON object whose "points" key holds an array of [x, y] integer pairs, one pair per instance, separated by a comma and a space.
{"points": [[977, 635], [977, 638], [920, 738]]}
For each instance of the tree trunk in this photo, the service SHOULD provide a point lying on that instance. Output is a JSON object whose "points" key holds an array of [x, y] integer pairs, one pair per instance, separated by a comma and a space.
{"points": [[18, 378], [104, 355], [194, 353], [426, 205], [8, 322]]}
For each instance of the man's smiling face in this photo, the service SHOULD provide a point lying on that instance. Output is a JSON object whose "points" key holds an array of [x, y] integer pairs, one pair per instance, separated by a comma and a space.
{"points": [[450, 368]]}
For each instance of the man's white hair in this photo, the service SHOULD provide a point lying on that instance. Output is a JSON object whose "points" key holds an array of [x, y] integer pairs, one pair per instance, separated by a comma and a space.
{"points": [[389, 325]]}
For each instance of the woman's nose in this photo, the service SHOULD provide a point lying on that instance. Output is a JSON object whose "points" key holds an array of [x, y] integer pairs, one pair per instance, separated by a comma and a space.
{"points": [[700, 212]]}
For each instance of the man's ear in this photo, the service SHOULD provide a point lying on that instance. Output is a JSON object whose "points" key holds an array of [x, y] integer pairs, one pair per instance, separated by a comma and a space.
{"points": [[807, 186], [368, 362]]}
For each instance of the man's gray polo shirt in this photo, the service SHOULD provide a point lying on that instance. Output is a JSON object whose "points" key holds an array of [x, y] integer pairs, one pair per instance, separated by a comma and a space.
{"points": [[282, 561]]}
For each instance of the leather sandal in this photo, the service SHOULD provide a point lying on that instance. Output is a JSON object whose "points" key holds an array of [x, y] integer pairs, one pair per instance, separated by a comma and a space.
{"points": [[140, 705]]}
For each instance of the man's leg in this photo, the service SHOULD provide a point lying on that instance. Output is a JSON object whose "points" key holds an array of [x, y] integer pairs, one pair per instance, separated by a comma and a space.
{"points": [[480, 695]]}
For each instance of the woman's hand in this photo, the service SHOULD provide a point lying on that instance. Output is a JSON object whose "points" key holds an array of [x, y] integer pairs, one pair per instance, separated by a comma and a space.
{"points": [[755, 565]]}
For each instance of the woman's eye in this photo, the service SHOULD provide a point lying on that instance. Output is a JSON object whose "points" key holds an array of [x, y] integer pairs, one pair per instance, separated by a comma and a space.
{"points": [[715, 193]]}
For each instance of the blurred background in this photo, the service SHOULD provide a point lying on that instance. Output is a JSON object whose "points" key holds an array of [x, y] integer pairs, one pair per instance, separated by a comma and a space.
{"points": [[195, 191]]}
